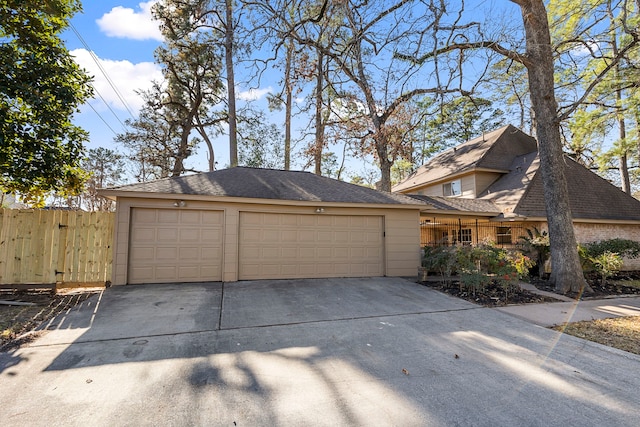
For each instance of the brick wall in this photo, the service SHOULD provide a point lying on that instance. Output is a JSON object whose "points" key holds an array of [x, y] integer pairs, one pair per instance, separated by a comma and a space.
{"points": [[587, 233]]}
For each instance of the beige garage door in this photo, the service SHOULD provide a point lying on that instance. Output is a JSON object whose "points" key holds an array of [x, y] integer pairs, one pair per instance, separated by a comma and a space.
{"points": [[175, 245], [284, 246]]}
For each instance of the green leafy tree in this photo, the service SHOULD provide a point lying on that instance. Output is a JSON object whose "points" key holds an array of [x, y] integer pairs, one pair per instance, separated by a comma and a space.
{"points": [[192, 71], [154, 140], [260, 143], [454, 122], [217, 21], [603, 130], [106, 168], [41, 87]]}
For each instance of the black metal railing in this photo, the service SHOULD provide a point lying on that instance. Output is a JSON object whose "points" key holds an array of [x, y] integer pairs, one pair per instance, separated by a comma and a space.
{"points": [[443, 232]]}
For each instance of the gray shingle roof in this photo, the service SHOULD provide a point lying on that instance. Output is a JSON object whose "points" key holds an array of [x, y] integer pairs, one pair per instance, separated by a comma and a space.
{"points": [[590, 197], [458, 204], [258, 183], [520, 192], [508, 190], [494, 150]]}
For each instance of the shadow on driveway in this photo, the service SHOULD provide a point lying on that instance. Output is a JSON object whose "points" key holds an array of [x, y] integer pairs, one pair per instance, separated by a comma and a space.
{"points": [[380, 351]]}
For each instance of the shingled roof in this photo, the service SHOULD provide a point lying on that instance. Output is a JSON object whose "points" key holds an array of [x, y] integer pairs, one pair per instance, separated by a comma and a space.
{"points": [[591, 197], [255, 183], [492, 151], [518, 193], [507, 192], [457, 204]]}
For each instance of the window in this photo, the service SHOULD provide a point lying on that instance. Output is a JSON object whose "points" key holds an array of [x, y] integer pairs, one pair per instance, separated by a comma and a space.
{"points": [[445, 238], [503, 235], [453, 188], [464, 236]]}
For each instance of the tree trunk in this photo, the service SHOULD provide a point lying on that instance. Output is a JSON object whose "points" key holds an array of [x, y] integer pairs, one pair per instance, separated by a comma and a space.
{"points": [[211, 157], [623, 166], [624, 172], [319, 143], [638, 132], [566, 270], [382, 150], [182, 154], [231, 85], [288, 106], [622, 157]]}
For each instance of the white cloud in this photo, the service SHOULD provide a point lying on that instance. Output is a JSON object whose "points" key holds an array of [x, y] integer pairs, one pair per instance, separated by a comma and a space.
{"points": [[253, 94], [124, 22], [126, 76]]}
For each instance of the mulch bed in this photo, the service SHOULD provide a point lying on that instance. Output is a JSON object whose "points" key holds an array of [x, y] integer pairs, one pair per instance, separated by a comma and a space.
{"points": [[492, 295], [611, 288]]}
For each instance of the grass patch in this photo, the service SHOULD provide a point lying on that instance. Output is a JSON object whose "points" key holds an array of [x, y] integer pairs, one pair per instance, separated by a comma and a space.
{"points": [[622, 333]]}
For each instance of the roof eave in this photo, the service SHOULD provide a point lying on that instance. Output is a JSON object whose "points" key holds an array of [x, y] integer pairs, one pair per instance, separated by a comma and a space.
{"points": [[113, 194], [447, 178], [606, 221], [454, 212]]}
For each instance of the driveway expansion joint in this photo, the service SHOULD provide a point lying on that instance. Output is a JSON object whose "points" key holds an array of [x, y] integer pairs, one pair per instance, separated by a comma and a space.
{"points": [[248, 327], [342, 319]]}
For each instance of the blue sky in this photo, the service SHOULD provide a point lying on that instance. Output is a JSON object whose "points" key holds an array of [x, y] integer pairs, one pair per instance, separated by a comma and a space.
{"points": [[121, 36]]}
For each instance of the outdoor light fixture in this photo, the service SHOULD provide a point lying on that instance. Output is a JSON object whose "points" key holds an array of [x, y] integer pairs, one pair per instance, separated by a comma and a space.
{"points": [[179, 204], [319, 210]]}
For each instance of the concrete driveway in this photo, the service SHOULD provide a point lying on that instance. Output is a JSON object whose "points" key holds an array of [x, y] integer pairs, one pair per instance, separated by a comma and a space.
{"points": [[382, 351]]}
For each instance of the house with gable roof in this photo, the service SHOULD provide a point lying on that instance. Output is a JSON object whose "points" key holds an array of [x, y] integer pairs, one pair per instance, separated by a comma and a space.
{"points": [[490, 188]]}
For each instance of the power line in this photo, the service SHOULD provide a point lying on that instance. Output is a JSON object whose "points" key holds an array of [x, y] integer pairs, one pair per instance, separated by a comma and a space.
{"points": [[105, 74], [103, 120], [109, 107]]}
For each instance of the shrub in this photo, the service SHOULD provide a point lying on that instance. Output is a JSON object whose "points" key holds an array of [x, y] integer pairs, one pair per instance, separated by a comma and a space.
{"points": [[605, 257], [607, 264], [474, 281], [537, 247], [478, 266], [521, 263], [623, 247], [586, 260], [439, 259]]}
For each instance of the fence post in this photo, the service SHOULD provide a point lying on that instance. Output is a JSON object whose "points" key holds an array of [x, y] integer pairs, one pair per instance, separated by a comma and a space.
{"points": [[61, 259]]}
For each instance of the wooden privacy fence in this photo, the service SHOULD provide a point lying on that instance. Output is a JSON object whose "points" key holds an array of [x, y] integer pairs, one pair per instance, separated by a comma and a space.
{"points": [[55, 248]]}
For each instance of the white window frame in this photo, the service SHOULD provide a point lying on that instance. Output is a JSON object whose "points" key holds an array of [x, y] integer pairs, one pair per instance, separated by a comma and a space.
{"points": [[453, 188]]}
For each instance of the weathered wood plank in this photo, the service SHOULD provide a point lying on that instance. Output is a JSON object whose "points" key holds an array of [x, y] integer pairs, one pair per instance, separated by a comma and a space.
{"points": [[27, 286]]}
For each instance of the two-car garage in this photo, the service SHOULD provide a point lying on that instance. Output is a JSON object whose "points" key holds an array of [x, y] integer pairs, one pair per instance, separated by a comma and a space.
{"points": [[264, 224], [171, 245]]}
